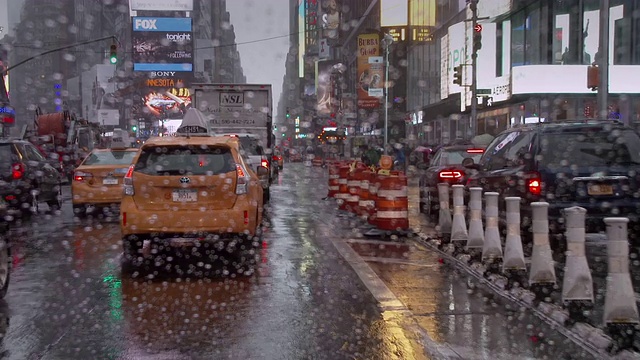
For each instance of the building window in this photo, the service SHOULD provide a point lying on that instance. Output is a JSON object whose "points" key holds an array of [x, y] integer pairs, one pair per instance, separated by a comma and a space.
{"points": [[562, 31], [518, 39], [532, 36], [499, 49]]}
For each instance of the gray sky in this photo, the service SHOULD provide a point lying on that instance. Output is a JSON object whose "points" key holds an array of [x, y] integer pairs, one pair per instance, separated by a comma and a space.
{"points": [[262, 61]]}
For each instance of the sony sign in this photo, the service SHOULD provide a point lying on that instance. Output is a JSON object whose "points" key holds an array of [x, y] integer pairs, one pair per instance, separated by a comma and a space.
{"points": [[154, 74]]}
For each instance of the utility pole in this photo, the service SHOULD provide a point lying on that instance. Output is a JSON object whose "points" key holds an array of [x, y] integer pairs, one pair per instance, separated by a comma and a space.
{"points": [[603, 50], [474, 65]]}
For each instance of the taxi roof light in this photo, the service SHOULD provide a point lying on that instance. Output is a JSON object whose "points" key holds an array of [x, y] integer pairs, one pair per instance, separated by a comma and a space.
{"points": [[194, 123]]}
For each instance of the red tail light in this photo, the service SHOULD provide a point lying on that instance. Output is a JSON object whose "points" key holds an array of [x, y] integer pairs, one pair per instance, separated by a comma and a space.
{"points": [[17, 171], [534, 183], [127, 182], [241, 181], [475, 151], [276, 158], [246, 217], [450, 175], [264, 163], [81, 176], [124, 219]]}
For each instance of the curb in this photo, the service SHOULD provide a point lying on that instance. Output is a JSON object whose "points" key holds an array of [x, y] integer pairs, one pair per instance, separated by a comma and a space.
{"points": [[591, 339]]}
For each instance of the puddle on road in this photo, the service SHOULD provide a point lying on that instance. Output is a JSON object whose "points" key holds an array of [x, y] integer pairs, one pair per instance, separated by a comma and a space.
{"points": [[381, 249]]}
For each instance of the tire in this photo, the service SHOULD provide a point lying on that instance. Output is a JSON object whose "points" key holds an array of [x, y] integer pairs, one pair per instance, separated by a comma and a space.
{"points": [[56, 203], [5, 267], [247, 263], [132, 249], [79, 211], [266, 195]]}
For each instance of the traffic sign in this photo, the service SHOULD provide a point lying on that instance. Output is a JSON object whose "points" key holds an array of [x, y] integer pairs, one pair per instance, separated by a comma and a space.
{"points": [[478, 28]]}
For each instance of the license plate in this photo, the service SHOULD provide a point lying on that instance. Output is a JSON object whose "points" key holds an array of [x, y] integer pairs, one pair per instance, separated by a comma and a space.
{"points": [[184, 195], [600, 190], [110, 181], [179, 242]]}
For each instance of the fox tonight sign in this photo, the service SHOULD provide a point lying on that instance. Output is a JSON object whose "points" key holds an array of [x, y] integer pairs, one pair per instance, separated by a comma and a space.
{"points": [[162, 44]]}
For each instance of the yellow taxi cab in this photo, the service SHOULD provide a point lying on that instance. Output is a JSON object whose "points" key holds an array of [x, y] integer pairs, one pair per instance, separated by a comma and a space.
{"points": [[97, 181], [192, 190]]}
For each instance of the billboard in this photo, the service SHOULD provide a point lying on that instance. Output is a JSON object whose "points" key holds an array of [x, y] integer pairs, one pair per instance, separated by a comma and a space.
{"points": [[162, 44], [324, 88], [167, 103], [161, 5], [370, 73]]}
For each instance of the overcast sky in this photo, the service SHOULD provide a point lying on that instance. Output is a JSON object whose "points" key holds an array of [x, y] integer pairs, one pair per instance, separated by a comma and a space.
{"points": [[256, 21]]}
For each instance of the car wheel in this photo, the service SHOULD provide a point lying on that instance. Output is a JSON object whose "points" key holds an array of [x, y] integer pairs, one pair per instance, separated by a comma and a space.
{"points": [[5, 267], [266, 195], [56, 203], [132, 249], [79, 211]]}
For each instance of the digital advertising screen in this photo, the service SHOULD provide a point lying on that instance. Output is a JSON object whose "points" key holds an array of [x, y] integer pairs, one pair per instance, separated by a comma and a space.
{"points": [[162, 44]]}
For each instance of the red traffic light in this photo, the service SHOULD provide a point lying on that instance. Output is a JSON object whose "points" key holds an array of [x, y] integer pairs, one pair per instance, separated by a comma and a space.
{"points": [[477, 28]]}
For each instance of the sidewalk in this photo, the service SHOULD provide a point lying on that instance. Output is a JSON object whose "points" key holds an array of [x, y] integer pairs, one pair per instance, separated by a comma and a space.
{"points": [[457, 316]]}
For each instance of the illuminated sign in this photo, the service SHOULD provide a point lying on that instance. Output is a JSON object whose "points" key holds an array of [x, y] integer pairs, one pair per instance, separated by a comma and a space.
{"points": [[169, 101], [162, 44], [164, 82]]}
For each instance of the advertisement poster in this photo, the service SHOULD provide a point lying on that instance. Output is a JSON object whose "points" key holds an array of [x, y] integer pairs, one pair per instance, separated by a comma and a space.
{"points": [[331, 19], [324, 85], [370, 75], [162, 44]]}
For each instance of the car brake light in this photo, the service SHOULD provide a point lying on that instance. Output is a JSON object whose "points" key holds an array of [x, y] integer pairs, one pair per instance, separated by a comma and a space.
{"points": [[264, 163], [124, 219], [246, 217], [17, 171], [534, 183], [450, 175], [242, 181], [81, 176], [475, 151], [10, 197], [127, 182]]}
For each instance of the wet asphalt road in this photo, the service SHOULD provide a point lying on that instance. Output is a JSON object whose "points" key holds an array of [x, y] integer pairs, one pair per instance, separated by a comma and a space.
{"points": [[69, 299]]}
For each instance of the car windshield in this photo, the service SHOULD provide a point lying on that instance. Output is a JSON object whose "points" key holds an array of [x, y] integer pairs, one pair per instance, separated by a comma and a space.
{"points": [[251, 145], [113, 157], [185, 160], [455, 157], [593, 148]]}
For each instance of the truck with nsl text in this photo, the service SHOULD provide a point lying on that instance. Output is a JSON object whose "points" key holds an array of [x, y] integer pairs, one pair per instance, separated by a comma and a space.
{"points": [[245, 111]]}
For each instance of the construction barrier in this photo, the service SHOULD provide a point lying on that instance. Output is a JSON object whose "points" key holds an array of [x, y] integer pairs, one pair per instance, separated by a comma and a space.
{"points": [[392, 203], [366, 203], [317, 162], [343, 188], [334, 179]]}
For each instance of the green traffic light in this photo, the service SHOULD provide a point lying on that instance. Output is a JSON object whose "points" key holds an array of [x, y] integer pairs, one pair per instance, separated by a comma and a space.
{"points": [[113, 59], [134, 128], [283, 134]]}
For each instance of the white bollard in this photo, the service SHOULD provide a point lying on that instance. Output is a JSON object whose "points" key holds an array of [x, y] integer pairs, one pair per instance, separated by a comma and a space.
{"points": [[542, 270], [444, 218], [459, 225], [513, 253], [476, 230], [620, 301], [492, 249], [577, 284]]}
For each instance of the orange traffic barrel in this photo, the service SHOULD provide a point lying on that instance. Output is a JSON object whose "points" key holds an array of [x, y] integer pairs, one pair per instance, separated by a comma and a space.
{"points": [[317, 161], [334, 179], [392, 203], [353, 183], [343, 190], [366, 203], [374, 184]]}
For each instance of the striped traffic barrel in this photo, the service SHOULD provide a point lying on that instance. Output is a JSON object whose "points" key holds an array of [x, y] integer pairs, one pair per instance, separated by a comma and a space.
{"points": [[317, 162], [353, 183], [374, 184], [366, 203], [334, 179], [392, 203], [343, 190]]}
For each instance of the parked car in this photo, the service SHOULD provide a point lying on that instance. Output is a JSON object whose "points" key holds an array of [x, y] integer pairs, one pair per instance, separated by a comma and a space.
{"points": [[29, 178], [592, 164], [445, 166], [277, 159]]}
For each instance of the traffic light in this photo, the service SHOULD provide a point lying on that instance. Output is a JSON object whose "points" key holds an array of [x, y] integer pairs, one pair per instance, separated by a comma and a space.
{"points": [[134, 128], [457, 75], [283, 134], [288, 115], [113, 54], [477, 37]]}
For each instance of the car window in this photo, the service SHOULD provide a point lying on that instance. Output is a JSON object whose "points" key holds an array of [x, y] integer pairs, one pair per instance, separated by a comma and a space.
{"points": [[33, 154], [593, 148], [251, 146], [113, 157], [455, 157], [6, 156], [507, 150], [185, 160]]}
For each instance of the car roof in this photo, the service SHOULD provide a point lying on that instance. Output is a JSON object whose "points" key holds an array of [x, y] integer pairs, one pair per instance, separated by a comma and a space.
{"points": [[461, 147], [569, 126], [196, 140], [117, 149]]}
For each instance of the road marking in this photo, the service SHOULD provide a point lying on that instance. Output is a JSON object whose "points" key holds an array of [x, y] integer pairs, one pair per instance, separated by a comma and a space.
{"points": [[395, 261], [388, 301]]}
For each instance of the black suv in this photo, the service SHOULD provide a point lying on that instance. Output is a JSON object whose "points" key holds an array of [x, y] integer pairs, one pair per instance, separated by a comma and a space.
{"points": [[594, 164], [27, 178]]}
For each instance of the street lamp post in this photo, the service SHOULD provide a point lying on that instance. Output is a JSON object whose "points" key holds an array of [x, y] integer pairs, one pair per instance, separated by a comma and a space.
{"points": [[386, 43]]}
